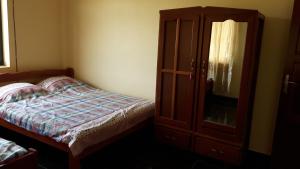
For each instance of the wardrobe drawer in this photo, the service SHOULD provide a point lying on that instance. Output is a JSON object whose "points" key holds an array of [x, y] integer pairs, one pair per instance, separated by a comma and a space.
{"points": [[173, 137], [218, 150]]}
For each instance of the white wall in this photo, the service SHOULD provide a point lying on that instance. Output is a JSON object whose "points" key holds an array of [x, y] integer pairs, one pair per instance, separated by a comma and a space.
{"points": [[38, 34], [112, 44]]}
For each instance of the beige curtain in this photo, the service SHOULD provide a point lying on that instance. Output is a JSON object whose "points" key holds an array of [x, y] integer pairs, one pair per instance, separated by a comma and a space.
{"points": [[225, 47]]}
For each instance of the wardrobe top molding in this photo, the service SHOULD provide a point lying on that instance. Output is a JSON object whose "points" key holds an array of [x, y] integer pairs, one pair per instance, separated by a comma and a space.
{"points": [[198, 10]]}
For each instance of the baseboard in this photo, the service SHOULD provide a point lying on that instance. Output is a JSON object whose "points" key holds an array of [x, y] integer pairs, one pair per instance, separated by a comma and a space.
{"points": [[257, 160]]}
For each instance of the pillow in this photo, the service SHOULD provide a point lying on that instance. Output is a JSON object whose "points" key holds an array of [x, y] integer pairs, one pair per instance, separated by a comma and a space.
{"points": [[19, 91], [57, 83]]}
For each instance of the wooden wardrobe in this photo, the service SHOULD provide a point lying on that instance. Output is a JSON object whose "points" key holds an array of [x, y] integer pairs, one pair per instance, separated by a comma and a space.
{"points": [[206, 76]]}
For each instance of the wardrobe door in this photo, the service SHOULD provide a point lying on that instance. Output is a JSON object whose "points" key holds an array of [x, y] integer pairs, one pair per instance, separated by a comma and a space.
{"points": [[227, 72], [176, 69]]}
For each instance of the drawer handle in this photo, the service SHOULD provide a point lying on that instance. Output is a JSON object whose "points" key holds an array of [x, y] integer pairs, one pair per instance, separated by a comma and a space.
{"points": [[170, 137], [213, 150]]}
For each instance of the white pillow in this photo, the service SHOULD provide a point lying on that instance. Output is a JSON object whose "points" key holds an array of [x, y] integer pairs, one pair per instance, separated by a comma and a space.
{"points": [[19, 91], [57, 83]]}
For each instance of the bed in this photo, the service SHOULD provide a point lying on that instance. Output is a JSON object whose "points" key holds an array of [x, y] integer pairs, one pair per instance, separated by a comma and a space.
{"points": [[13, 156], [78, 119]]}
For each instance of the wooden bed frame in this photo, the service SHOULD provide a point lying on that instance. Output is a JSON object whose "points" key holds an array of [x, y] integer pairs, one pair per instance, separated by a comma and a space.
{"points": [[35, 77], [29, 160]]}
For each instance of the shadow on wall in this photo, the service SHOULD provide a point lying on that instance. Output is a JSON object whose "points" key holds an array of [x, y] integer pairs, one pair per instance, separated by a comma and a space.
{"points": [[271, 65]]}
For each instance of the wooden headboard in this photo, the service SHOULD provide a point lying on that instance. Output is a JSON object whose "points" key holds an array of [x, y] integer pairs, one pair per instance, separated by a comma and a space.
{"points": [[33, 76]]}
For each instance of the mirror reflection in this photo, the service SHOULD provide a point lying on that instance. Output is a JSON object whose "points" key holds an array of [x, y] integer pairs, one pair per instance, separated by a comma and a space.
{"points": [[227, 48]]}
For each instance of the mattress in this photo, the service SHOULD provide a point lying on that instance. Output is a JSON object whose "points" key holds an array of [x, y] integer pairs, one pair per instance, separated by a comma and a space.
{"points": [[79, 116], [10, 150]]}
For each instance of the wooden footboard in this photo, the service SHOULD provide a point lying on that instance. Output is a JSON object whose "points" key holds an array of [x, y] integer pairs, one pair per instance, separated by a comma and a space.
{"points": [[28, 161], [74, 162]]}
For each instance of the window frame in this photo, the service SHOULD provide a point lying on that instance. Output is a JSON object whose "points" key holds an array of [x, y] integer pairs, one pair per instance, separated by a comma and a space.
{"points": [[8, 36], [1, 39]]}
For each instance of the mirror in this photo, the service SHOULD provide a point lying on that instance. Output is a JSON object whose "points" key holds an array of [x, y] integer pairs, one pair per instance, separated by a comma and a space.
{"points": [[226, 55]]}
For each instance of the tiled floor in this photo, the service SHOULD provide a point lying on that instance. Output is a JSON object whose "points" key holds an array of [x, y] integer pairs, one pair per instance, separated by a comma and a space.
{"points": [[132, 155], [139, 151]]}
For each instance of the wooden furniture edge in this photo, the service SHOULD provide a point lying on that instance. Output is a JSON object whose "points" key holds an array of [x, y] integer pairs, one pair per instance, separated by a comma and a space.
{"points": [[35, 136], [23, 76], [137, 127], [29, 160], [74, 161]]}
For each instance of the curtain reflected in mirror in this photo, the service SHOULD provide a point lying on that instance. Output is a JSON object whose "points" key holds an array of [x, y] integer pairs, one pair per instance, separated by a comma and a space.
{"points": [[226, 54]]}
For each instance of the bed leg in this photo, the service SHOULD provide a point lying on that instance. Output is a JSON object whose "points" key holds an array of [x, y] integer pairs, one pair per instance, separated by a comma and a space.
{"points": [[74, 162]]}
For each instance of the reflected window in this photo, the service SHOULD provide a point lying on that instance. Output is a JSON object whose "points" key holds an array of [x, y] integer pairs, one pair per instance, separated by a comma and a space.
{"points": [[226, 55], [227, 47]]}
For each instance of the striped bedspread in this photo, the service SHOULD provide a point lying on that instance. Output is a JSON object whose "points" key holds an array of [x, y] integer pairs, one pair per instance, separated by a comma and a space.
{"points": [[72, 113], [9, 150]]}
